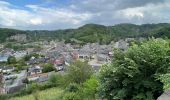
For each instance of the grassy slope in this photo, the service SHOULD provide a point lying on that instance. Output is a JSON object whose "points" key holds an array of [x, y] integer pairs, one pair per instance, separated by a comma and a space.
{"points": [[49, 94]]}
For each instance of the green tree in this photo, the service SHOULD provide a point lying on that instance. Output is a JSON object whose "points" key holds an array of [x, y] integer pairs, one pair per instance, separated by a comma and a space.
{"points": [[48, 68], [79, 72], [133, 75], [27, 57], [90, 88], [11, 60]]}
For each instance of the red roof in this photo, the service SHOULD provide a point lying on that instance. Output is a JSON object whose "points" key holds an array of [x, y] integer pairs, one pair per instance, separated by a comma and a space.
{"points": [[58, 62]]}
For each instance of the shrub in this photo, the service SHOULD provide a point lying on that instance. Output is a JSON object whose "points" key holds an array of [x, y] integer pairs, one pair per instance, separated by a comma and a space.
{"points": [[48, 68], [11, 60], [57, 80], [79, 72], [73, 87]]}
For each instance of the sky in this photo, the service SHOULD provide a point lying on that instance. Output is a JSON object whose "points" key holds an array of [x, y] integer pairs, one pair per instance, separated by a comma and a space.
{"points": [[64, 14]]}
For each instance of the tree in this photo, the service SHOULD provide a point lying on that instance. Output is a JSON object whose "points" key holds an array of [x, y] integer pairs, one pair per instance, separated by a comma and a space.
{"points": [[90, 88], [27, 57], [134, 75], [78, 72], [48, 68], [11, 60]]}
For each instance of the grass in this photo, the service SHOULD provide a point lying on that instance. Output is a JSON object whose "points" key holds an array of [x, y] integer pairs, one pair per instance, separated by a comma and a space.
{"points": [[49, 94]]}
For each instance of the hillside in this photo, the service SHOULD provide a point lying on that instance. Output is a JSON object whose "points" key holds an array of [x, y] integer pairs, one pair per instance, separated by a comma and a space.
{"points": [[93, 32], [5, 33], [49, 94]]}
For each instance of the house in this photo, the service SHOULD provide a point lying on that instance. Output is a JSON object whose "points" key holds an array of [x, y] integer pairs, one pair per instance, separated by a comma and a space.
{"points": [[75, 55], [103, 57], [121, 44], [37, 60], [129, 39], [34, 70], [6, 69], [29, 50], [3, 58], [41, 77], [19, 54], [110, 54], [84, 55], [59, 65]]}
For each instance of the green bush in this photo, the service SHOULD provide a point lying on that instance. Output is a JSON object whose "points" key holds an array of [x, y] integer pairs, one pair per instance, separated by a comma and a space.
{"points": [[11, 60], [57, 80], [48, 68], [72, 87]]}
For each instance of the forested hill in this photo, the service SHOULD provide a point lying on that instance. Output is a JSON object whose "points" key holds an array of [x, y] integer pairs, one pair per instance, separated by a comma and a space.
{"points": [[93, 33]]}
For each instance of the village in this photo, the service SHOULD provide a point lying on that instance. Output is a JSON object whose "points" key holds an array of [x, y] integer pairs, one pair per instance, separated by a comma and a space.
{"points": [[57, 54]]}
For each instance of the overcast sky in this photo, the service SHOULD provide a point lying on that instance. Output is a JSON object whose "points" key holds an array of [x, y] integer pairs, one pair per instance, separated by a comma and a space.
{"points": [[62, 14]]}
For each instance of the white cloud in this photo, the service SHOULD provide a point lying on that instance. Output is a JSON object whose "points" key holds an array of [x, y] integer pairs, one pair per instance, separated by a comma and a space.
{"points": [[36, 21], [131, 13], [107, 12], [37, 16]]}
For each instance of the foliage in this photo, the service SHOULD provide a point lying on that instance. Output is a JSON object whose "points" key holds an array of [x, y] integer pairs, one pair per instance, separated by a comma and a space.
{"points": [[57, 80], [72, 87], [5, 33], [133, 75], [78, 72], [11, 60], [36, 95], [165, 79], [71, 96], [48, 68], [48, 94], [15, 46], [90, 87], [29, 56], [101, 34]]}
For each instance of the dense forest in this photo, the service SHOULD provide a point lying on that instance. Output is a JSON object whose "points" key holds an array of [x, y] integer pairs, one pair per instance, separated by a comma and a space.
{"points": [[100, 33]]}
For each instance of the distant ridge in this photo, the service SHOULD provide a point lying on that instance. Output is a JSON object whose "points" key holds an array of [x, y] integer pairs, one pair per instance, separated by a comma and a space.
{"points": [[93, 32]]}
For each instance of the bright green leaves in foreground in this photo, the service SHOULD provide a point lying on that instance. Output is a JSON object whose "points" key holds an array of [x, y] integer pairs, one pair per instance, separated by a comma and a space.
{"points": [[134, 75]]}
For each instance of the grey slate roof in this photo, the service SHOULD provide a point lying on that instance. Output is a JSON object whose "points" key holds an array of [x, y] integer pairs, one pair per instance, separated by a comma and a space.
{"points": [[6, 68]]}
